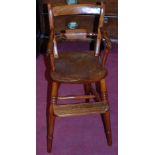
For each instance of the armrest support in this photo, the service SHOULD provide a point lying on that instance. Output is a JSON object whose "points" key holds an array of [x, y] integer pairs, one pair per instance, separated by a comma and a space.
{"points": [[50, 43], [50, 48], [106, 39]]}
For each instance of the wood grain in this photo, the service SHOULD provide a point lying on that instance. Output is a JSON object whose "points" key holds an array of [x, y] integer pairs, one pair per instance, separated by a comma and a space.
{"points": [[71, 97], [51, 116], [80, 109], [76, 9], [111, 11], [84, 67], [78, 67], [106, 115]]}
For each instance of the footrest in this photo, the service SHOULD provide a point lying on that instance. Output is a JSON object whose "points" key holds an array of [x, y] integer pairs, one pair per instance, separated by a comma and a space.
{"points": [[80, 109]]}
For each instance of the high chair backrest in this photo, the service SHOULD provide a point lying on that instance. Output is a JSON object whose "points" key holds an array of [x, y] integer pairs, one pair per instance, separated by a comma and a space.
{"points": [[75, 34]]}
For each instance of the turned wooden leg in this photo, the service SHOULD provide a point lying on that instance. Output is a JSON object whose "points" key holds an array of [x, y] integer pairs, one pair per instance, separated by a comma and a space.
{"points": [[87, 90], [106, 115], [51, 117]]}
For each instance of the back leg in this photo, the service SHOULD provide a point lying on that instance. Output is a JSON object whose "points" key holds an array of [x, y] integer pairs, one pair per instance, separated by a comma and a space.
{"points": [[106, 115], [51, 116]]}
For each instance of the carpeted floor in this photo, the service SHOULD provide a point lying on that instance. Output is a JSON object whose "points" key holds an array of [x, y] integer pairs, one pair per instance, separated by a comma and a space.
{"points": [[80, 135]]}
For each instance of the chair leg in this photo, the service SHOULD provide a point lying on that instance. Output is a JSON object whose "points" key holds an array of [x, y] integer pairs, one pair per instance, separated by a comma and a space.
{"points": [[51, 117], [87, 90], [106, 115]]}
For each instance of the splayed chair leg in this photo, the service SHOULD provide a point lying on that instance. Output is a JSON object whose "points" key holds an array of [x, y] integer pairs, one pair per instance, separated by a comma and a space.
{"points": [[51, 117], [106, 115]]}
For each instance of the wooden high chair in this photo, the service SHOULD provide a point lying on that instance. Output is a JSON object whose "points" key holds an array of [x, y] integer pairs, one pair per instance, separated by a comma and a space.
{"points": [[85, 68]]}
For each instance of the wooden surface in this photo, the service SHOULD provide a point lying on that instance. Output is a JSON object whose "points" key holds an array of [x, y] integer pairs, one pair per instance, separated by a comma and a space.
{"points": [[106, 115], [80, 109], [111, 5], [71, 97], [75, 9], [72, 34], [82, 67], [78, 67], [51, 116]]}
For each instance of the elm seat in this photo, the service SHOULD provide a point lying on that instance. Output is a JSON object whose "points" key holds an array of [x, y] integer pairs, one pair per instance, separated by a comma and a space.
{"points": [[77, 67]]}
